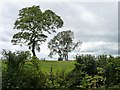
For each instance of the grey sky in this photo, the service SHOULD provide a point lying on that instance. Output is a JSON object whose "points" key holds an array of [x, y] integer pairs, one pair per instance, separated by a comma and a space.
{"points": [[93, 23]]}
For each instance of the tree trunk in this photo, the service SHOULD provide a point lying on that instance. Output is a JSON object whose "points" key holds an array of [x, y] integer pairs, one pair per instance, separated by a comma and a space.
{"points": [[33, 52], [33, 49], [66, 57]]}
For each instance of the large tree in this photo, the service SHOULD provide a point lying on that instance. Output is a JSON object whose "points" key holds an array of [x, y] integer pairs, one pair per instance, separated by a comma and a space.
{"points": [[62, 44], [32, 24]]}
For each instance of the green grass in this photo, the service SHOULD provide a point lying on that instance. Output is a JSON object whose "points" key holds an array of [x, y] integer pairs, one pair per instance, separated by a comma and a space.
{"points": [[57, 66]]}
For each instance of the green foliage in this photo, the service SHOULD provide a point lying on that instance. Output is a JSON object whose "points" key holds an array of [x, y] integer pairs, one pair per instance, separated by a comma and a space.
{"points": [[55, 80], [86, 82], [91, 81], [86, 64], [15, 60], [36, 74], [61, 44], [90, 74], [102, 61], [19, 73], [32, 23], [32, 77], [112, 71], [74, 78]]}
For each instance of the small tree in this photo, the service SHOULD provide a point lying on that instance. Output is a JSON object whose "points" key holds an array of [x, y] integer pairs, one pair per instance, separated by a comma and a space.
{"points": [[62, 44], [33, 22]]}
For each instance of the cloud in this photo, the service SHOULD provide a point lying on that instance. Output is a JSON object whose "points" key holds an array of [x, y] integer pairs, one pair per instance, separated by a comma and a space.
{"points": [[100, 47], [93, 23]]}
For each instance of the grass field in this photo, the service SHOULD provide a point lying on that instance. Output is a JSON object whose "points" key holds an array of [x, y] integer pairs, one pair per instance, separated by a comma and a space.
{"points": [[57, 66]]}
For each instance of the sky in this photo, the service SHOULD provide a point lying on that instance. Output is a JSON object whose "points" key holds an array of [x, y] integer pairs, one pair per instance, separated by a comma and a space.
{"points": [[95, 24]]}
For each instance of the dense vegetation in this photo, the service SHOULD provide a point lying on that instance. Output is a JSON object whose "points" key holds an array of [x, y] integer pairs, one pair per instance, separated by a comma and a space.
{"points": [[19, 70]]}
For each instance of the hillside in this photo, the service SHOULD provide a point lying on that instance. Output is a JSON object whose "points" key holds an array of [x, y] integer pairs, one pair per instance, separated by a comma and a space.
{"points": [[57, 66]]}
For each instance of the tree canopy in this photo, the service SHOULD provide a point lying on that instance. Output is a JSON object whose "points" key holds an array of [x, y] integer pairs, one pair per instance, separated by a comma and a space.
{"points": [[32, 23], [62, 43]]}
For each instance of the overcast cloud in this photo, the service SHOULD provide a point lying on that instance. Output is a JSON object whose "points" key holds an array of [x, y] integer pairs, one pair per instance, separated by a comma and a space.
{"points": [[93, 23]]}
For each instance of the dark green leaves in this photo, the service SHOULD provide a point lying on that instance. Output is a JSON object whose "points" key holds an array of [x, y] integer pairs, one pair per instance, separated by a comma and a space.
{"points": [[32, 23]]}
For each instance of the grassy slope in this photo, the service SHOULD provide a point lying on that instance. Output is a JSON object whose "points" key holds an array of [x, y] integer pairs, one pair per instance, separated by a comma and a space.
{"points": [[57, 66]]}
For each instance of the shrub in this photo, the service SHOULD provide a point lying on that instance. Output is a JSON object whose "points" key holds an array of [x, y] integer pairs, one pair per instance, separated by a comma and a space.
{"points": [[21, 73]]}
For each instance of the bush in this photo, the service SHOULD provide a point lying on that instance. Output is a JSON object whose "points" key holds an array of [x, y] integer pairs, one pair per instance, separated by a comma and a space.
{"points": [[84, 73], [20, 73], [55, 80], [86, 63]]}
